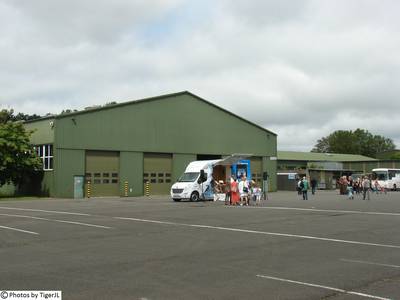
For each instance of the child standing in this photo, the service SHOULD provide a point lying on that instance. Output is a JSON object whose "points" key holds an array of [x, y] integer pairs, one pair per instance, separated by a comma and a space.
{"points": [[256, 190]]}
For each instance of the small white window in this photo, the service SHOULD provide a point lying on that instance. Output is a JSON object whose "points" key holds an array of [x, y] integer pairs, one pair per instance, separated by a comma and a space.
{"points": [[45, 152]]}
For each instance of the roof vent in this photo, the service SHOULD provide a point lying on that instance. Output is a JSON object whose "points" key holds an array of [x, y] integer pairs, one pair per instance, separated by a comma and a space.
{"points": [[92, 107]]}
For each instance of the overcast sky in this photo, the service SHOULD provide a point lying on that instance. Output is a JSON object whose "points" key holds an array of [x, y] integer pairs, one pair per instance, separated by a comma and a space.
{"points": [[302, 69]]}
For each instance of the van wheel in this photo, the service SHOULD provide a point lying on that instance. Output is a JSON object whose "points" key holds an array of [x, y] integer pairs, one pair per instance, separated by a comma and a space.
{"points": [[194, 197]]}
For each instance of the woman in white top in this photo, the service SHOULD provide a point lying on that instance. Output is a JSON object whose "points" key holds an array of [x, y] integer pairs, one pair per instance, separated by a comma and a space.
{"points": [[244, 191]]}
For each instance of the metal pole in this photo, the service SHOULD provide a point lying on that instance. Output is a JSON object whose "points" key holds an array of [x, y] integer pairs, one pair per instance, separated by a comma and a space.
{"points": [[88, 189], [147, 188], [126, 188], [265, 189]]}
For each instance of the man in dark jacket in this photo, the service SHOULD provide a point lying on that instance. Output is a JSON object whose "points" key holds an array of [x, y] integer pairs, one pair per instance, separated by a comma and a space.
{"points": [[313, 185]]}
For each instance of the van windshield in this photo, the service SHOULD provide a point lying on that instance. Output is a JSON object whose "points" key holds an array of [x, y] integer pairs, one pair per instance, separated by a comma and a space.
{"points": [[394, 173], [380, 175], [189, 177]]}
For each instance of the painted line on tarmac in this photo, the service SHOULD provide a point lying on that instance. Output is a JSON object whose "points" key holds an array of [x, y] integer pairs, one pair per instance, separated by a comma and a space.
{"points": [[323, 287], [20, 230], [261, 232], [47, 211], [324, 210], [55, 220], [369, 263]]}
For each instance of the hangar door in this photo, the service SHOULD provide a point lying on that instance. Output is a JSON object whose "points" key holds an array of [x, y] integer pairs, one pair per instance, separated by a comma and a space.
{"points": [[256, 169], [102, 170], [157, 169]]}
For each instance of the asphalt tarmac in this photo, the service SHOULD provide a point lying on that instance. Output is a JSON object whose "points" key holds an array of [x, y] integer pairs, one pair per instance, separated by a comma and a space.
{"points": [[328, 247]]}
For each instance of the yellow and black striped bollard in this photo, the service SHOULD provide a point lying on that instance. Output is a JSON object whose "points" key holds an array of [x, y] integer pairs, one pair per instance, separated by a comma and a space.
{"points": [[88, 189], [126, 188], [147, 188]]}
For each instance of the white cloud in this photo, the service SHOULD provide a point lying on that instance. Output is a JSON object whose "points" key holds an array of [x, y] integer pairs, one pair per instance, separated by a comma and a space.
{"points": [[290, 66]]}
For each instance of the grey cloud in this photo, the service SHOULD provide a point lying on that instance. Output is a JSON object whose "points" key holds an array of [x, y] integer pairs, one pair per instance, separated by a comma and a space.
{"points": [[290, 66], [100, 21], [267, 12]]}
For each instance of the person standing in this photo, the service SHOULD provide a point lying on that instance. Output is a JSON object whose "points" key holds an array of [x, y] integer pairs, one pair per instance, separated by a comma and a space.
{"points": [[357, 185], [299, 186], [350, 192], [235, 198], [350, 181], [377, 187], [257, 194], [313, 185], [244, 191], [305, 188], [366, 185], [343, 185], [227, 190]]}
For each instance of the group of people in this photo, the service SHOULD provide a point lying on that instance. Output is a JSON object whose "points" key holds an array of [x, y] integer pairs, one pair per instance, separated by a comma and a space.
{"points": [[364, 185], [347, 186], [303, 186], [238, 192]]}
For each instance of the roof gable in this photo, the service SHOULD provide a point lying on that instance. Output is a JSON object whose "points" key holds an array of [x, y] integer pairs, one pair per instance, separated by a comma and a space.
{"points": [[156, 98]]}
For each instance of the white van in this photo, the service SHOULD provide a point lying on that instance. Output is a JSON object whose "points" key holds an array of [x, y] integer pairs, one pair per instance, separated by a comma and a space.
{"points": [[196, 182], [387, 178]]}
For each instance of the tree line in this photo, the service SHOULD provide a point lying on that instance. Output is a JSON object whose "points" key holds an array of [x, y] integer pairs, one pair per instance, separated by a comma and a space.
{"points": [[359, 141]]}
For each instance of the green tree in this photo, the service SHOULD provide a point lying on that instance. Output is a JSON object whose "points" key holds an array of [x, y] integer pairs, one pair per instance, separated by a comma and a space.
{"points": [[359, 141], [25, 117], [8, 115], [17, 157], [395, 156], [322, 145]]}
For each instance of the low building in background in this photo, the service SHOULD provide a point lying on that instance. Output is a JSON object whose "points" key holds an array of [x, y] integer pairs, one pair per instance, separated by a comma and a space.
{"points": [[326, 168]]}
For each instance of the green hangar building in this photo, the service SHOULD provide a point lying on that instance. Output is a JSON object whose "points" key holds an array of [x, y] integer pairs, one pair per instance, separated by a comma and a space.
{"points": [[117, 148]]}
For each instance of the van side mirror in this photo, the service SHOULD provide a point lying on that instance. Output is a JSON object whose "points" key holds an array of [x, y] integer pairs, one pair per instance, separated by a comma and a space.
{"points": [[203, 177]]}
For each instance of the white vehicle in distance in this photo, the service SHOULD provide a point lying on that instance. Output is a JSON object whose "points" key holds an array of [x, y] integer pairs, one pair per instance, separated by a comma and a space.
{"points": [[196, 182], [387, 178]]}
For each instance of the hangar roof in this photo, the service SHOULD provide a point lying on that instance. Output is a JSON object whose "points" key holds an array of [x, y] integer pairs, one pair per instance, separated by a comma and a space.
{"points": [[95, 109], [312, 156]]}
